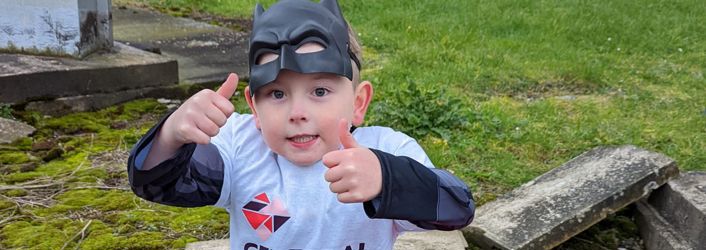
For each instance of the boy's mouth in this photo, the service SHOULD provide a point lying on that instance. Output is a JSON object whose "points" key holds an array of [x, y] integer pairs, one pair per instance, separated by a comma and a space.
{"points": [[302, 138]]}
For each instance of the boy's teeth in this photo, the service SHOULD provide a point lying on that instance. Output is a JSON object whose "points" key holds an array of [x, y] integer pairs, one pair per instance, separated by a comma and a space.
{"points": [[304, 138]]}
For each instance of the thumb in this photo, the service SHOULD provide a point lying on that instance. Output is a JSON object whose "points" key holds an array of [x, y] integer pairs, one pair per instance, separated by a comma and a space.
{"points": [[228, 88], [345, 135]]}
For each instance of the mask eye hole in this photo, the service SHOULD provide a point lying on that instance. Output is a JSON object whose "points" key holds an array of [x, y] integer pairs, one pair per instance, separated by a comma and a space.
{"points": [[309, 47], [266, 57]]}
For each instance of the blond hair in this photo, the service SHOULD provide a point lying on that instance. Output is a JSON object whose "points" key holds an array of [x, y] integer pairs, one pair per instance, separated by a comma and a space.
{"points": [[357, 50]]}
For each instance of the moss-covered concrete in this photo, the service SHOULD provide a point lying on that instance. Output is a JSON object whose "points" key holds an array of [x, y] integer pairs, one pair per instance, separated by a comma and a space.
{"points": [[86, 202]]}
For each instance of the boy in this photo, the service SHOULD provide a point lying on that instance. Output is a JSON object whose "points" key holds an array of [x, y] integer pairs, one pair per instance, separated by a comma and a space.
{"points": [[295, 174]]}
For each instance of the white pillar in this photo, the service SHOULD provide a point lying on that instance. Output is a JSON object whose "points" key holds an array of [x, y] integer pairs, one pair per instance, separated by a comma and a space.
{"points": [[55, 27]]}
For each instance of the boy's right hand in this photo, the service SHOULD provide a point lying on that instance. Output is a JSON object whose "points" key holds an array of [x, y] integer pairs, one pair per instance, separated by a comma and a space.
{"points": [[201, 116]]}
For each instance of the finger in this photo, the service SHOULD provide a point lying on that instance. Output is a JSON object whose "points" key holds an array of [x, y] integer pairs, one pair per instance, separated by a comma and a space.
{"points": [[331, 159], [345, 135], [338, 187], [333, 175], [195, 135], [350, 197], [207, 126], [224, 105], [228, 88], [216, 116]]}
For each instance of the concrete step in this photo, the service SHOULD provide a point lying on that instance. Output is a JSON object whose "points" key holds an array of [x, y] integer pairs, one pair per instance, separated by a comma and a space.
{"points": [[437, 240], [27, 77], [567, 200], [674, 216], [206, 53]]}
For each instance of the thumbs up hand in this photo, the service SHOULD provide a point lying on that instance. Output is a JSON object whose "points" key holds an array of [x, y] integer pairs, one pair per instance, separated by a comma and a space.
{"points": [[201, 116], [354, 172]]}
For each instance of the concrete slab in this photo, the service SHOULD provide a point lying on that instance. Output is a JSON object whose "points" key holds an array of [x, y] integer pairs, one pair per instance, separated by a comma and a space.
{"points": [[27, 77], [206, 53], [11, 130], [437, 240], [656, 232], [563, 202], [209, 245], [681, 206], [66, 105]]}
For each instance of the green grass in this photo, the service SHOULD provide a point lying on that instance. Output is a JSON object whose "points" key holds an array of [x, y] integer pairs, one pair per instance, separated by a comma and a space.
{"points": [[539, 81], [527, 85]]}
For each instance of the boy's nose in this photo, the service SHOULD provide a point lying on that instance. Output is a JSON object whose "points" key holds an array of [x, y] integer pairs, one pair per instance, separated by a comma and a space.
{"points": [[297, 112]]}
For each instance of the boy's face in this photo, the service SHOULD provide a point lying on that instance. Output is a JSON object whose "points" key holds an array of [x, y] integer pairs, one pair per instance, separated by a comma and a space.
{"points": [[298, 114]]}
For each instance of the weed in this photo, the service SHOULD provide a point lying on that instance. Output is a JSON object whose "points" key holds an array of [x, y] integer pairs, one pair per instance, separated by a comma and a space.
{"points": [[426, 111]]}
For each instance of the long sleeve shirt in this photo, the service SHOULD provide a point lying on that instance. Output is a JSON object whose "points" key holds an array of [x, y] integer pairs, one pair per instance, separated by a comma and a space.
{"points": [[278, 205]]}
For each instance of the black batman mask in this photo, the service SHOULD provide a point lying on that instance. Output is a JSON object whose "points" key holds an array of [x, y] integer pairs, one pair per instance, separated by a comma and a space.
{"points": [[289, 24]]}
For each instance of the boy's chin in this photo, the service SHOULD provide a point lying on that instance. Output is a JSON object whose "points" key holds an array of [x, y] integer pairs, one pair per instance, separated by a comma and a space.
{"points": [[302, 162]]}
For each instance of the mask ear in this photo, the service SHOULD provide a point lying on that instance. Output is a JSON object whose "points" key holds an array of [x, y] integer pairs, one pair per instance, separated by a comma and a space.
{"points": [[258, 11], [251, 103], [332, 5]]}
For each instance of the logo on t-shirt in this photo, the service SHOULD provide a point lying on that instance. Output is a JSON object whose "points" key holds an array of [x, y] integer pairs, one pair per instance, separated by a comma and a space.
{"points": [[265, 217]]}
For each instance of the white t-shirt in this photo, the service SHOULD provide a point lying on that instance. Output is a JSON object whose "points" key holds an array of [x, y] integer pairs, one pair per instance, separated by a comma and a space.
{"points": [[274, 204]]}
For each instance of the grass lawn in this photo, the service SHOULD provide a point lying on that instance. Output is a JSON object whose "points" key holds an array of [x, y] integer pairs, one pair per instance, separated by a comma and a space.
{"points": [[498, 92]]}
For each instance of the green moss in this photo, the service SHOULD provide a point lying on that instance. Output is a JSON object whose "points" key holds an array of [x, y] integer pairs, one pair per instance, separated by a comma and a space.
{"points": [[182, 241], [6, 204], [133, 110], [24, 143], [137, 241], [77, 123], [20, 177], [54, 168], [210, 220], [26, 235], [15, 192], [12, 157], [104, 200]]}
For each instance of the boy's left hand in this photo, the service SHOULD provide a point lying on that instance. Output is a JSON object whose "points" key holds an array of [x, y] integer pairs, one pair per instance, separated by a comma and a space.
{"points": [[354, 172]]}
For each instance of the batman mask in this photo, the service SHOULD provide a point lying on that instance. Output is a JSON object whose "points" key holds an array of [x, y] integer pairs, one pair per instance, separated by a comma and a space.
{"points": [[289, 24]]}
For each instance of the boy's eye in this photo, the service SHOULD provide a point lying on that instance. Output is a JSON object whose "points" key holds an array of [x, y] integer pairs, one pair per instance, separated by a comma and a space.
{"points": [[320, 91], [277, 94]]}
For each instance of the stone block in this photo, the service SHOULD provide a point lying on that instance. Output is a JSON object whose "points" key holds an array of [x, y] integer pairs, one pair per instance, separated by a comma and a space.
{"points": [[206, 53], [25, 78], [55, 27], [209, 245], [563, 202], [656, 232], [678, 206], [11, 130], [437, 240]]}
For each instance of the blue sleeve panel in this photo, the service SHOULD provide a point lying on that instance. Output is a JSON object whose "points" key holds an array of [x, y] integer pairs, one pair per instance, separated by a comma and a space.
{"points": [[192, 177], [427, 197]]}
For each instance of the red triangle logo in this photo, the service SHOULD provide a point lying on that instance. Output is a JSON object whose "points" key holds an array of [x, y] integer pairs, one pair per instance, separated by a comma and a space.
{"points": [[262, 197], [255, 219], [268, 223]]}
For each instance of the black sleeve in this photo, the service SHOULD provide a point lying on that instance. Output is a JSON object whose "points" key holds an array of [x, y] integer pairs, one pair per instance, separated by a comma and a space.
{"points": [[192, 177], [427, 197]]}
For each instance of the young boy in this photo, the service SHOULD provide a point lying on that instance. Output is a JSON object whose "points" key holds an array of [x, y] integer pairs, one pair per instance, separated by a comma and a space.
{"points": [[295, 174]]}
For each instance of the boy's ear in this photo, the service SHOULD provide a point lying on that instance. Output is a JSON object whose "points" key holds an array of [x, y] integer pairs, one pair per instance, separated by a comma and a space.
{"points": [[363, 95], [251, 104]]}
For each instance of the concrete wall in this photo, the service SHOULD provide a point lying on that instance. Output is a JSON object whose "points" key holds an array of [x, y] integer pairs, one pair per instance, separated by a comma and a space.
{"points": [[55, 27]]}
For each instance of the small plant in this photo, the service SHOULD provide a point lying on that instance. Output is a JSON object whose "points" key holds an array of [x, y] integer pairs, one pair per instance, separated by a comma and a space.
{"points": [[420, 112], [6, 111]]}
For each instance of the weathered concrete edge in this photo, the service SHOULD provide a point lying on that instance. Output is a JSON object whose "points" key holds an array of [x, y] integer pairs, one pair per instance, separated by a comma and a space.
{"points": [[85, 81], [580, 222], [84, 103], [675, 203], [656, 231]]}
